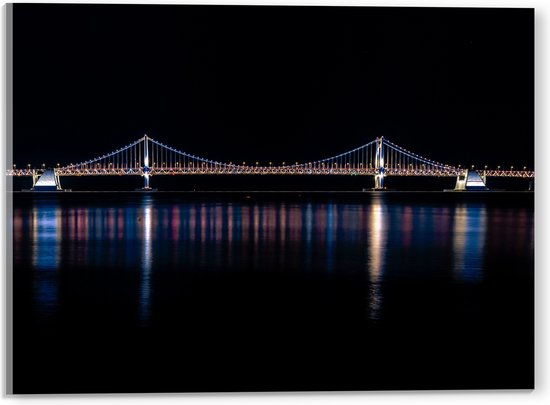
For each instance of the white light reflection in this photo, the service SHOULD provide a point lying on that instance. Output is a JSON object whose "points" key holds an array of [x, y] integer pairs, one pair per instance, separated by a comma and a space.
{"points": [[46, 237], [46, 240], [146, 265], [376, 257], [470, 227]]}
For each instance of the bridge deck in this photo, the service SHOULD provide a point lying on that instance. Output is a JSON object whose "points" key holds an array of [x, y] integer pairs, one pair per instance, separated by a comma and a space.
{"points": [[147, 157]]}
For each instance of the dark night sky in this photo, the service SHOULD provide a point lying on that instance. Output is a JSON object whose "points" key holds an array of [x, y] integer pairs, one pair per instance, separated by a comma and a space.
{"points": [[238, 83]]}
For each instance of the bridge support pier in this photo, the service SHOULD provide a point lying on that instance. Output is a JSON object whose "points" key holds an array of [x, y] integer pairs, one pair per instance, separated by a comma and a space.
{"points": [[146, 182], [379, 181], [57, 181], [35, 177]]}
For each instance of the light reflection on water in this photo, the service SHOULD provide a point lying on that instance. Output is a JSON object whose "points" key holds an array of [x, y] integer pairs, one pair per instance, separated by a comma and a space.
{"points": [[373, 240], [376, 257], [470, 228], [46, 236], [146, 263]]}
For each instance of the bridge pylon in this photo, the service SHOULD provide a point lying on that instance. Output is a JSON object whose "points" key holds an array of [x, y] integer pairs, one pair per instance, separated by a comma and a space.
{"points": [[379, 164], [146, 168]]}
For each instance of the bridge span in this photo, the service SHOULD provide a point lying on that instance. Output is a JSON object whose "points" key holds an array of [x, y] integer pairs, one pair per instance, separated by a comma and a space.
{"points": [[147, 157]]}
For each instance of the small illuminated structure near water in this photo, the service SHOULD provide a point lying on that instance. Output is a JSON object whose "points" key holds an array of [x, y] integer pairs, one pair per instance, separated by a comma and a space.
{"points": [[470, 181], [48, 181]]}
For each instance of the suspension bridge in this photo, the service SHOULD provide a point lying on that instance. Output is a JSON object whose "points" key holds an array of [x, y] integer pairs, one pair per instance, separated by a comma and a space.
{"points": [[147, 157]]}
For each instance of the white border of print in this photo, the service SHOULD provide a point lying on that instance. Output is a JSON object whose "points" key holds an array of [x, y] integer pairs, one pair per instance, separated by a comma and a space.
{"points": [[542, 236]]}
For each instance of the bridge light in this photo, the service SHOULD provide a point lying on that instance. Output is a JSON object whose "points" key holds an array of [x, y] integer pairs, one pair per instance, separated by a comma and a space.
{"points": [[283, 163], [511, 167], [498, 167], [473, 166], [524, 167], [270, 163], [257, 163], [14, 165]]}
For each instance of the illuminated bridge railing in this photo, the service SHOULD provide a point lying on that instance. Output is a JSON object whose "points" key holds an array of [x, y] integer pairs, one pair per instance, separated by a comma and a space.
{"points": [[523, 174], [99, 171], [23, 172]]}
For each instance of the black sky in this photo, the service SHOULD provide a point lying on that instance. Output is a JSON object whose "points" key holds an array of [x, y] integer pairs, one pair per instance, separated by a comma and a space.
{"points": [[244, 83]]}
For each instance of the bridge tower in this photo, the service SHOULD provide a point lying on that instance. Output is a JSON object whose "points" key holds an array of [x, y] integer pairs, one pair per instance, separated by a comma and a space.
{"points": [[379, 164], [146, 163]]}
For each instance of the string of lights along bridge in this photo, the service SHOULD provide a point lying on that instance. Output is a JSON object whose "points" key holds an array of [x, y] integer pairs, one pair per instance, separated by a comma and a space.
{"points": [[147, 157]]}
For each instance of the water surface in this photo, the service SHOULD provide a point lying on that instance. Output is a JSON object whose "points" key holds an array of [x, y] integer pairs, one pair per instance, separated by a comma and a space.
{"points": [[184, 292]]}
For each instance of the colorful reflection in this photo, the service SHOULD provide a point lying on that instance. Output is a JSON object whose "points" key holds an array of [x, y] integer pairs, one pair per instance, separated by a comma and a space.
{"points": [[470, 228], [46, 253], [326, 242], [146, 263], [377, 231]]}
